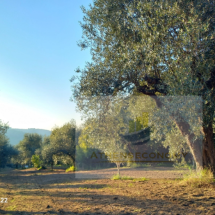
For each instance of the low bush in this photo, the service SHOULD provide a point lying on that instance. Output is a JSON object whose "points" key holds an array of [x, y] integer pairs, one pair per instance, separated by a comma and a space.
{"points": [[37, 162], [71, 169]]}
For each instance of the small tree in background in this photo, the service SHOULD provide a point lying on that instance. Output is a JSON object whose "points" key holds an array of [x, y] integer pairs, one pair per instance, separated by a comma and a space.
{"points": [[104, 130], [37, 162], [60, 145], [62, 140], [28, 146], [6, 151]]}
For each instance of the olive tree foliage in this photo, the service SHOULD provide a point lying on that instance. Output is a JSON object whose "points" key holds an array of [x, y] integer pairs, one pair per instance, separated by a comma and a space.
{"points": [[104, 132], [27, 147], [37, 162], [83, 151], [45, 142], [61, 146], [16, 159], [47, 154], [155, 48], [162, 122], [3, 144], [6, 150]]}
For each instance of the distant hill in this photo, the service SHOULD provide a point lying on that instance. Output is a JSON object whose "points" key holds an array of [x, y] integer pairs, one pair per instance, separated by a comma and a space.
{"points": [[15, 135]]}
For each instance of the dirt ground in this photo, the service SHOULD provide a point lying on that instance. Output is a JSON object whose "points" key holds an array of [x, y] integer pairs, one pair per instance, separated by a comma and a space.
{"points": [[44, 192]]}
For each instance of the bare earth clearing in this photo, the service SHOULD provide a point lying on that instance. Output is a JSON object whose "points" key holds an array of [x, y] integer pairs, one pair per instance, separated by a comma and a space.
{"points": [[44, 192]]}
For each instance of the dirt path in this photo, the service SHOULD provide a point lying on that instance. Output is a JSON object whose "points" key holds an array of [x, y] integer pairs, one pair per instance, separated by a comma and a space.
{"points": [[33, 192], [153, 172]]}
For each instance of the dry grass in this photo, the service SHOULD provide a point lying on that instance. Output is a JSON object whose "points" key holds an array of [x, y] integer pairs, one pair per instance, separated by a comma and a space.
{"points": [[202, 178]]}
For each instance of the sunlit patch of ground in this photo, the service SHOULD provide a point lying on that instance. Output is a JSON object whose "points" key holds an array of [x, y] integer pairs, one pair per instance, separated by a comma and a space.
{"points": [[61, 193]]}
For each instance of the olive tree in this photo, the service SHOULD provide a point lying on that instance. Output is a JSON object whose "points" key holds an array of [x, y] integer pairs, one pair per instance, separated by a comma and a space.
{"points": [[60, 145], [62, 139], [155, 48], [28, 146], [6, 150], [105, 130]]}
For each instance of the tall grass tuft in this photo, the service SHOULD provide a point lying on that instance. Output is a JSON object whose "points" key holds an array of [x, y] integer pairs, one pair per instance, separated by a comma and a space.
{"points": [[202, 178], [118, 177]]}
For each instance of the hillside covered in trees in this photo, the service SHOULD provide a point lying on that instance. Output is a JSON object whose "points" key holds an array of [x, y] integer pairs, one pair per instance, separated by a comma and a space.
{"points": [[15, 135]]}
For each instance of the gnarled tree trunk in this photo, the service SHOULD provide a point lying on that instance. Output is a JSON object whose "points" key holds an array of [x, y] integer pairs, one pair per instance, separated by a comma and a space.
{"points": [[194, 145], [208, 148]]}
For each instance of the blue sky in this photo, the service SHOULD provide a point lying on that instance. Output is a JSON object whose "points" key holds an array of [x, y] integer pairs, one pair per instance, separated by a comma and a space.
{"points": [[38, 56]]}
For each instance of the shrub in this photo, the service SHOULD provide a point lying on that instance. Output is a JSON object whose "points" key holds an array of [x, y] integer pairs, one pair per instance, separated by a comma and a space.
{"points": [[36, 161], [71, 169]]}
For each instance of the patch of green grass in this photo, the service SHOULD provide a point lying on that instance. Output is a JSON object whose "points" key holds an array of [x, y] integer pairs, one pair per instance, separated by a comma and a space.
{"points": [[11, 208], [126, 178], [159, 164], [140, 165], [137, 210], [178, 179], [84, 188], [140, 179], [118, 177], [145, 165], [130, 184], [183, 166]]}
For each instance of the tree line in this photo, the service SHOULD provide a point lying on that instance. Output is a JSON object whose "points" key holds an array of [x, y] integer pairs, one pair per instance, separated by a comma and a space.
{"points": [[61, 147]]}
